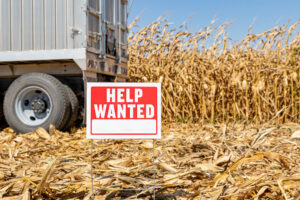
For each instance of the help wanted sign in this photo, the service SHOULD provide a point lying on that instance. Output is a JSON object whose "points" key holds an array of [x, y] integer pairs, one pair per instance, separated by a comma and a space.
{"points": [[123, 110]]}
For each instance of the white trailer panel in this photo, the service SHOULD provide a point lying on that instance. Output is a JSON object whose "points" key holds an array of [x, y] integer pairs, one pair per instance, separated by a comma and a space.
{"points": [[42, 24], [41, 30]]}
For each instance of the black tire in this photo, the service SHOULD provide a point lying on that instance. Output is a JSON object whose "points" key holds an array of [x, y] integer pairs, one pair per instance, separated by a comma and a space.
{"points": [[74, 105], [56, 94], [1, 110]]}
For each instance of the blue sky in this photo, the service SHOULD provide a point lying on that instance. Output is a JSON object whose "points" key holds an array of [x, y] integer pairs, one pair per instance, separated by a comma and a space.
{"points": [[264, 14]]}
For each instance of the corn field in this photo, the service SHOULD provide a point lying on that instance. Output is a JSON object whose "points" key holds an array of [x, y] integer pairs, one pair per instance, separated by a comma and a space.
{"points": [[207, 78]]}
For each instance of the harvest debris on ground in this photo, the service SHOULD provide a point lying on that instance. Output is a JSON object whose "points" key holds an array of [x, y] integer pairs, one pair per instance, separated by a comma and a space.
{"points": [[212, 161]]}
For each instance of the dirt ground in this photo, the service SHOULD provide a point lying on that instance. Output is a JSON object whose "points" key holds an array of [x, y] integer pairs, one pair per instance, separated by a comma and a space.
{"points": [[192, 161]]}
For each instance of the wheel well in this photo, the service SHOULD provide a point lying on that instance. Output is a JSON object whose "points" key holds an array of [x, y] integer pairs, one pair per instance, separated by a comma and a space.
{"points": [[75, 83], [4, 84]]}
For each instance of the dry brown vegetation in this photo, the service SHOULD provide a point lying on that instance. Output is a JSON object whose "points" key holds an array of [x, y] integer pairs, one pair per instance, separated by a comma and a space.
{"points": [[193, 162], [207, 78]]}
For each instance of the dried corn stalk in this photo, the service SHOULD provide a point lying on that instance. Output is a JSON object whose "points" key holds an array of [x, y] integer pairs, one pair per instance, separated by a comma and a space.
{"points": [[257, 79]]}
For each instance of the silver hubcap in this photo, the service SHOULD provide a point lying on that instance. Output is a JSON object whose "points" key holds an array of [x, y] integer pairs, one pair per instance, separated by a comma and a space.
{"points": [[33, 106]]}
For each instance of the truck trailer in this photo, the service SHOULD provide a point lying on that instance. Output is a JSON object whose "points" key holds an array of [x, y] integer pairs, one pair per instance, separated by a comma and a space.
{"points": [[49, 50]]}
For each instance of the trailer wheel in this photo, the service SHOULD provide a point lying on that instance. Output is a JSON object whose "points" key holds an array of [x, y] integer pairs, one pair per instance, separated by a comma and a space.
{"points": [[74, 105], [36, 100]]}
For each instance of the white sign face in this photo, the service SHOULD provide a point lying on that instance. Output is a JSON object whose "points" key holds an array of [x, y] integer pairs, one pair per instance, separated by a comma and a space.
{"points": [[123, 111]]}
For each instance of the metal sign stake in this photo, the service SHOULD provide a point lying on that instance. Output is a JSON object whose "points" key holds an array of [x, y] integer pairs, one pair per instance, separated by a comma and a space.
{"points": [[154, 181], [92, 179]]}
